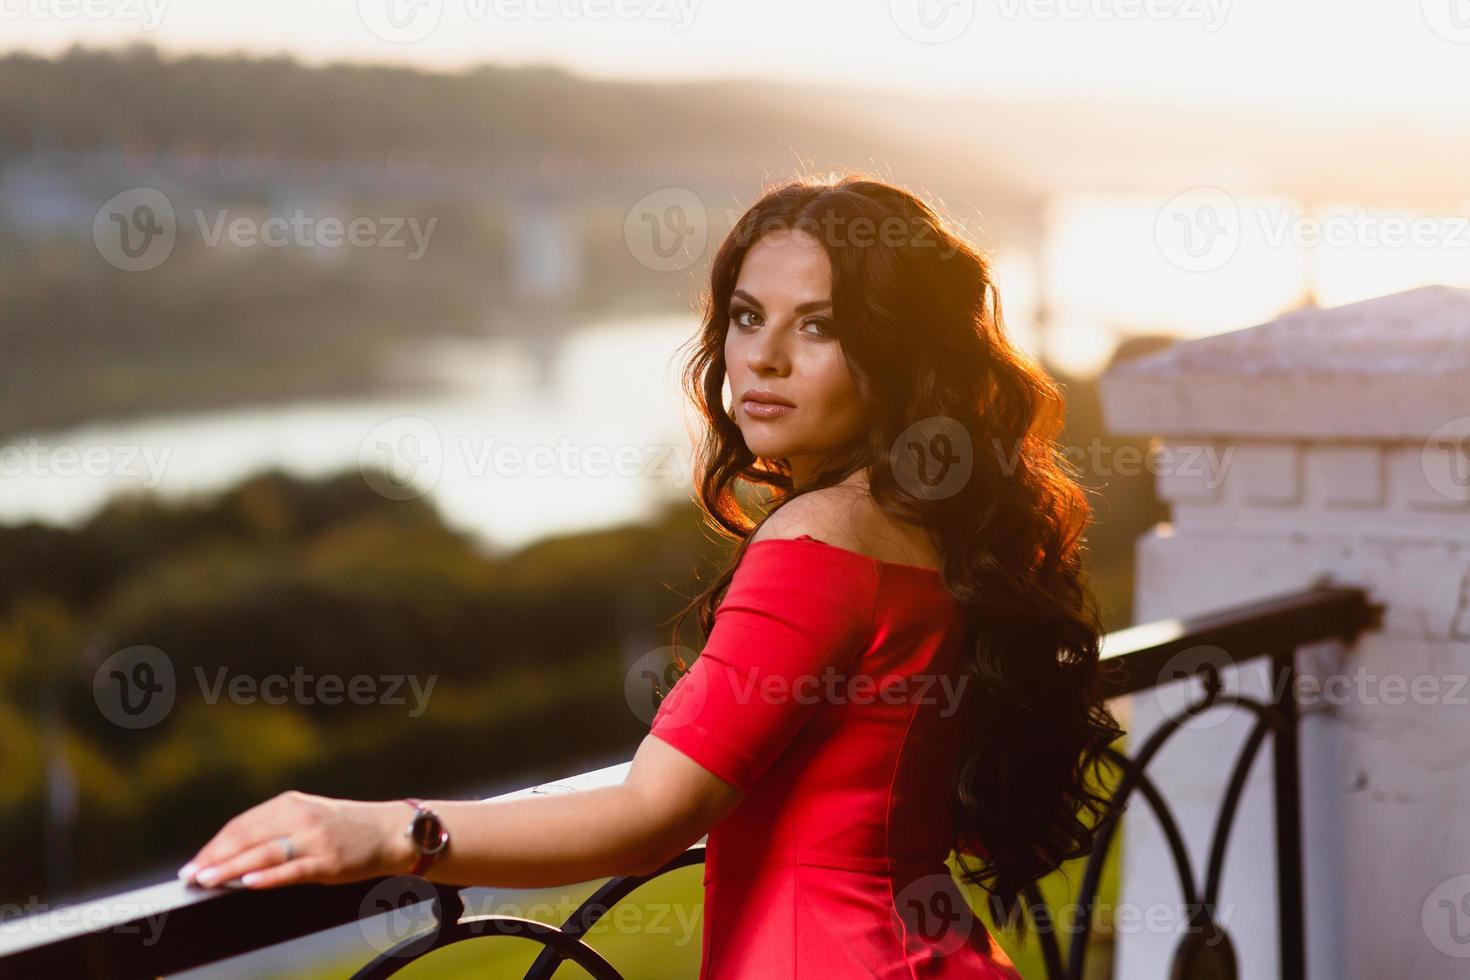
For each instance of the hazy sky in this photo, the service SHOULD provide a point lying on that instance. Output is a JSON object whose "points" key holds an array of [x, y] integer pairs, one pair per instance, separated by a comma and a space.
{"points": [[1386, 57]]}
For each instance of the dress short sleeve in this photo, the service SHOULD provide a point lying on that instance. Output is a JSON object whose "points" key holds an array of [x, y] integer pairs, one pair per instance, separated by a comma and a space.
{"points": [[796, 610]]}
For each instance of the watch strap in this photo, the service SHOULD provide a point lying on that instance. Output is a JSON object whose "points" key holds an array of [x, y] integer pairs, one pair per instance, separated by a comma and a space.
{"points": [[425, 858]]}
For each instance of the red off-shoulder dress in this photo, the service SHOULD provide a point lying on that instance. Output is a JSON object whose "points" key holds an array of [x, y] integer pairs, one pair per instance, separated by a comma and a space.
{"points": [[830, 691]]}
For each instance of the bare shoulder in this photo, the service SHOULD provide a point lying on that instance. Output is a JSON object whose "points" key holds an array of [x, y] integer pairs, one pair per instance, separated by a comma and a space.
{"points": [[831, 514], [847, 517]]}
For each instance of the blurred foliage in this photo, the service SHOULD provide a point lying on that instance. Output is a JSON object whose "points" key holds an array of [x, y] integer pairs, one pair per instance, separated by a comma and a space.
{"points": [[526, 655]]}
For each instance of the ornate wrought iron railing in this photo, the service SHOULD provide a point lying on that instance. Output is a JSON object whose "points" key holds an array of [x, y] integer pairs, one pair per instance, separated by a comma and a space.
{"points": [[1147, 656], [119, 936]]}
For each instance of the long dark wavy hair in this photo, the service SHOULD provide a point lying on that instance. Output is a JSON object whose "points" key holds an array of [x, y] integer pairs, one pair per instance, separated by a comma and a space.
{"points": [[935, 371]]}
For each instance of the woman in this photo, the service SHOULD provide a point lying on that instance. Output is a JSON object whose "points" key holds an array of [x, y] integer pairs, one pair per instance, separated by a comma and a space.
{"points": [[902, 656]]}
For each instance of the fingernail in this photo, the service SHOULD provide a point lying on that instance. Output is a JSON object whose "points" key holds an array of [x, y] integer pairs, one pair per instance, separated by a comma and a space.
{"points": [[250, 878], [187, 871], [208, 875]]}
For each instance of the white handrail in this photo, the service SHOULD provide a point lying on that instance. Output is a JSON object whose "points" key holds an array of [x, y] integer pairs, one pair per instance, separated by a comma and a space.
{"points": [[153, 903]]}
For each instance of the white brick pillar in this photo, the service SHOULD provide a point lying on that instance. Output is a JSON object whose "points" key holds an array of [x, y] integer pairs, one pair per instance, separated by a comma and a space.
{"points": [[1325, 443]]}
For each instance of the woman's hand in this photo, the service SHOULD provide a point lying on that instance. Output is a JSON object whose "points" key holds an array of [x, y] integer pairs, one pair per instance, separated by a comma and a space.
{"points": [[331, 841]]}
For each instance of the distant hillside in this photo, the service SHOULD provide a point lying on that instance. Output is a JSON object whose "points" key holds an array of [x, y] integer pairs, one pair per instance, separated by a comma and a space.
{"points": [[279, 107]]}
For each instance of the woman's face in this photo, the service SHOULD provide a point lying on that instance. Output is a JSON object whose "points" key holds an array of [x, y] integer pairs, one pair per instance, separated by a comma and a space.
{"points": [[781, 340]]}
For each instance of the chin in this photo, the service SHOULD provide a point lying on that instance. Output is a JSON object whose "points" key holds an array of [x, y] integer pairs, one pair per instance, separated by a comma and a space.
{"points": [[763, 445], [766, 450]]}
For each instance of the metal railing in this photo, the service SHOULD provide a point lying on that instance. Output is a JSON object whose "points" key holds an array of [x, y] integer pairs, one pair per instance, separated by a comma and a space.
{"points": [[1273, 630], [119, 936]]}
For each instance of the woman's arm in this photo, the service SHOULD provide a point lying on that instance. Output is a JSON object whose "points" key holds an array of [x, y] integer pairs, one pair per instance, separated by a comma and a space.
{"points": [[666, 802]]}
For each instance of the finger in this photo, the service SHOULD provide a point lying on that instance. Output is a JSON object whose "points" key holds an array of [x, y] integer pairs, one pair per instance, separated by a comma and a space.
{"points": [[260, 856], [228, 846], [293, 872], [253, 826], [229, 842]]}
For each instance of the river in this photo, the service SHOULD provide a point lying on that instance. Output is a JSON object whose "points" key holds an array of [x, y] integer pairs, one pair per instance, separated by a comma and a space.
{"points": [[513, 443]]}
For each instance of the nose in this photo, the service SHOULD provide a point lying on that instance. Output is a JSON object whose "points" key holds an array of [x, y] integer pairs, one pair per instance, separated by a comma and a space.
{"points": [[767, 352]]}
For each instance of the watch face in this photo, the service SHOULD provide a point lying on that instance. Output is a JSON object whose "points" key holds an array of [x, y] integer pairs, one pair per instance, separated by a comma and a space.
{"points": [[427, 833]]}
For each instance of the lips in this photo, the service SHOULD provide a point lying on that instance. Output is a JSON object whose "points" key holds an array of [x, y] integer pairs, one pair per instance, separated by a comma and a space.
{"points": [[765, 398], [765, 409]]}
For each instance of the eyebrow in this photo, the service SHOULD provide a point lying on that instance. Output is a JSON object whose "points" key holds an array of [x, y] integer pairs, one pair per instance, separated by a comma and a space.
{"points": [[810, 306]]}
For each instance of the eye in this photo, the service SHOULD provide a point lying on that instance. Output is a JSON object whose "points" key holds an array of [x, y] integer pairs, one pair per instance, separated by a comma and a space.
{"points": [[826, 325], [739, 312]]}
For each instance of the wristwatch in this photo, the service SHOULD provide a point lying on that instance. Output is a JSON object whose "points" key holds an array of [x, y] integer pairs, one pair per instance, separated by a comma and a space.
{"points": [[427, 834]]}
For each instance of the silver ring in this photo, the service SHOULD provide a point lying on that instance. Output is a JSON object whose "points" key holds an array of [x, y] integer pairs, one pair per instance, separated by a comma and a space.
{"points": [[288, 847]]}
